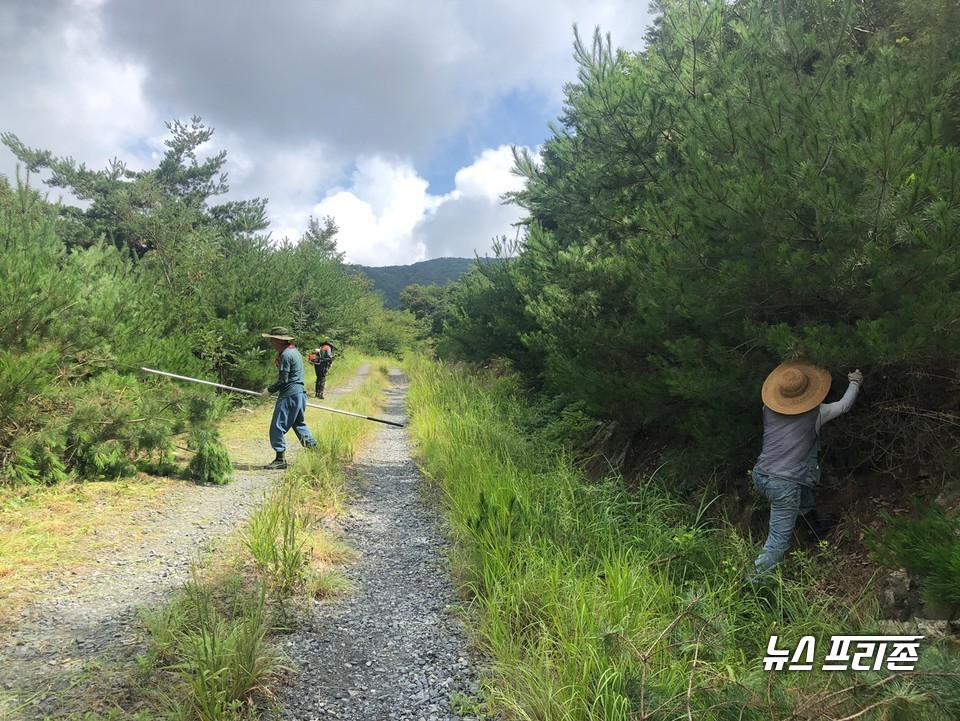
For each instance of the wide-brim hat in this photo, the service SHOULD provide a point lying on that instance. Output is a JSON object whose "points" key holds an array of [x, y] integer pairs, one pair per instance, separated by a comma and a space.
{"points": [[278, 332], [795, 387]]}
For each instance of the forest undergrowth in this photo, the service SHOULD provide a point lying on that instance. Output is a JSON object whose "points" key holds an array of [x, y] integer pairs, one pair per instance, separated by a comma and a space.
{"points": [[599, 601]]}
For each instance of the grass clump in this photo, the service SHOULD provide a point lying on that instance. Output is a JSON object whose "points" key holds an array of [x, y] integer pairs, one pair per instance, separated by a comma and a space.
{"points": [[275, 537], [216, 646], [595, 601]]}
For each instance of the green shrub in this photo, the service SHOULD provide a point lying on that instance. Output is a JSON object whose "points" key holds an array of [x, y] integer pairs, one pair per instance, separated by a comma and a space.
{"points": [[211, 462], [928, 546]]}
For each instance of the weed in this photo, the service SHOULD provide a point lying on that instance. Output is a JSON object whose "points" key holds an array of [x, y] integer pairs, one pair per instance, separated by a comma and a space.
{"points": [[328, 584], [275, 537]]}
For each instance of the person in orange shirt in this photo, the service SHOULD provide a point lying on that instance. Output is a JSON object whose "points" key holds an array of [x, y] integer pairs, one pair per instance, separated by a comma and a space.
{"points": [[322, 359]]}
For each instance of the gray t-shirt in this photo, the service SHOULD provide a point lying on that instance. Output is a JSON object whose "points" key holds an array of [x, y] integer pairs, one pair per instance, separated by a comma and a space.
{"points": [[791, 443]]}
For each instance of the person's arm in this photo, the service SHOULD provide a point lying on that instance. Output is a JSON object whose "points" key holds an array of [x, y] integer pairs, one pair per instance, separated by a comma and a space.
{"points": [[829, 411]]}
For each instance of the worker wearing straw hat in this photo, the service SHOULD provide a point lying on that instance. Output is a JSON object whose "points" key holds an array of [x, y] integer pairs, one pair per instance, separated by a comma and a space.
{"points": [[291, 397], [789, 464]]}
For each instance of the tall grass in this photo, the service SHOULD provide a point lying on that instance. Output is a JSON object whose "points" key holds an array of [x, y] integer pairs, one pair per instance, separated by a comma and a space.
{"points": [[598, 603], [214, 639], [275, 537]]}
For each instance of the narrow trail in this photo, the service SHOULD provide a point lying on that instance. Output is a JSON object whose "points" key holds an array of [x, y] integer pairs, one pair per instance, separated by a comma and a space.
{"points": [[394, 649], [83, 636]]}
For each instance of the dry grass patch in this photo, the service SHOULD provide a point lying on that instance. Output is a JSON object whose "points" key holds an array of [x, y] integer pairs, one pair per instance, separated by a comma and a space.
{"points": [[328, 550], [65, 528]]}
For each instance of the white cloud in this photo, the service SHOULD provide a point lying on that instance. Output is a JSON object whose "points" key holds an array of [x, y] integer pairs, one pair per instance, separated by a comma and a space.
{"points": [[467, 223], [288, 176], [299, 90], [387, 217], [377, 214], [63, 90], [490, 176]]}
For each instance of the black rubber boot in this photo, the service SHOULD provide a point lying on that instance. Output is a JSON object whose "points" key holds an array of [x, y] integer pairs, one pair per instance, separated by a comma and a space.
{"points": [[278, 463]]}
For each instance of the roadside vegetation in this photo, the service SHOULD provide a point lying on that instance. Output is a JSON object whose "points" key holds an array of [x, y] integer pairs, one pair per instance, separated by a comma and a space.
{"points": [[763, 181], [213, 651], [212, 655], [152, 273], [595, 600]]}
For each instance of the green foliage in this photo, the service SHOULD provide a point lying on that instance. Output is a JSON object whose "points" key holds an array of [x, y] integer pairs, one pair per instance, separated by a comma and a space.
{"points": [[430, 305], [147, 210], [384, 331], [211, 461], [594, 602], [488, 318], [928, 546], [322, 238], [151, 273], [764, 181]]}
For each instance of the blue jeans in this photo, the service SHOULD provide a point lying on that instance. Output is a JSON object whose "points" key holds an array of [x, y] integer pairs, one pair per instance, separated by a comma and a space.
{"points": [[287, 414], [788, 499]]}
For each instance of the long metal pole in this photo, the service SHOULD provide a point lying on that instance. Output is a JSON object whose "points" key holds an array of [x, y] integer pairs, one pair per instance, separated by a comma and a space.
{"points": [[255, 393]]}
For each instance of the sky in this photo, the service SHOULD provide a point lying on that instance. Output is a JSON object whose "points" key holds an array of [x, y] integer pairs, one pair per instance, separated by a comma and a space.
{"points": [[394, 117]]}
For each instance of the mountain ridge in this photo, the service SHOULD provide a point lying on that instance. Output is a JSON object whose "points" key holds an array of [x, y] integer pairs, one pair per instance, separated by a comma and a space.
{"points": [[391, 279]]}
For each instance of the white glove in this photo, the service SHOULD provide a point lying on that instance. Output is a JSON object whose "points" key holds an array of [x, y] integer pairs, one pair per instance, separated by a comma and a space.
{"points": [[855, 377], [265, 393]]}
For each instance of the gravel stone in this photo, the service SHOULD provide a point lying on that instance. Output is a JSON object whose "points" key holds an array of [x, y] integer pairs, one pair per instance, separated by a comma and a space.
{"points": [[393, 649]]}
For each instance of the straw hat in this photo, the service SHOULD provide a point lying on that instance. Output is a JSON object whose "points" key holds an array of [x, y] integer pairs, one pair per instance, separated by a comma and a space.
{"points": [[795, 387], [278, 332]]}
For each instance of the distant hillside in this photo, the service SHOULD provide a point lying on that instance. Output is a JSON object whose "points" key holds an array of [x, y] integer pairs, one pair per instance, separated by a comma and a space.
{"points": [[391, 279]]}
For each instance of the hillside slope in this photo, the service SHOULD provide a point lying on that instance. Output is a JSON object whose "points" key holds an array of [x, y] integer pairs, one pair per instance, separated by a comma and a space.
{"points": [[391, 279]]}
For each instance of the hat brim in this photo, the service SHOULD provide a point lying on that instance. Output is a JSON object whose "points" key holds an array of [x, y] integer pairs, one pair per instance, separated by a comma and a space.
{"points": [[278, 337], [818, 386]]}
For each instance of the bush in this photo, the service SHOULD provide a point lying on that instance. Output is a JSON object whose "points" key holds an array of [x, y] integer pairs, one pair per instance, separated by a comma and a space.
{"points": [[211, 463], [928, 546]]}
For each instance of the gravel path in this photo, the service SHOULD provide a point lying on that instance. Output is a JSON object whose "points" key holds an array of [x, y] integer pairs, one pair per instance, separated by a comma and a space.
{"points": [[84, 633], [78, 643], [393, 650]]}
